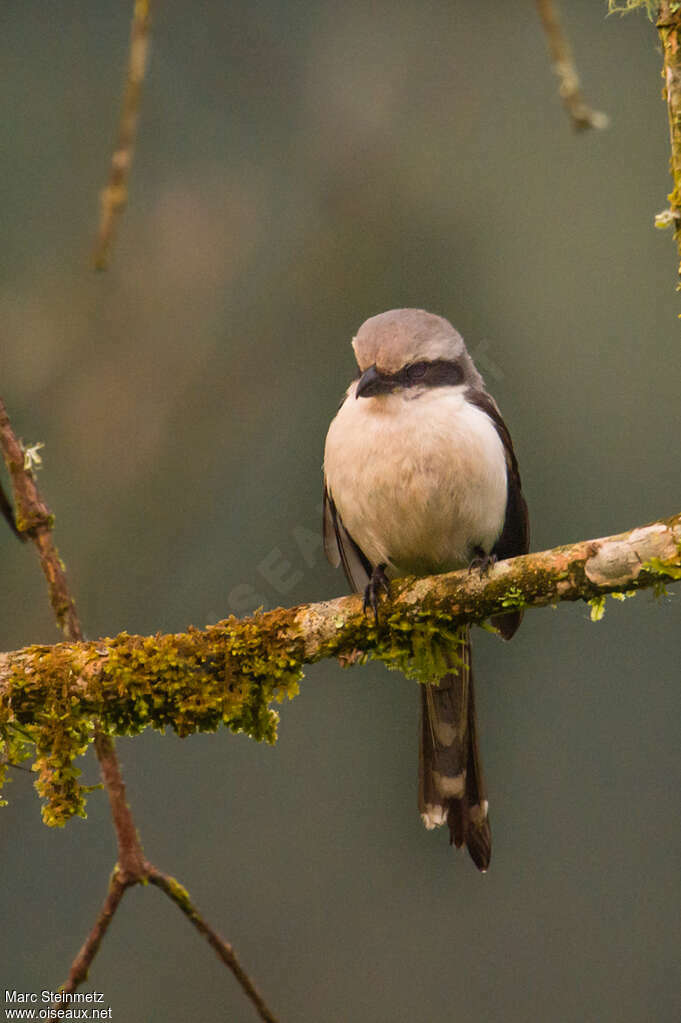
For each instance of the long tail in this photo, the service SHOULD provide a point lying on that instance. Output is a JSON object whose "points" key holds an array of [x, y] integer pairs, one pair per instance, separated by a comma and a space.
{"points": [[451, 785]]}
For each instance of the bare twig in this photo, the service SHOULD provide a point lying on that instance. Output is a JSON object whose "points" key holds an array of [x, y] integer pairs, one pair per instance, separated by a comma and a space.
{"points": [[115, 194], [118, 886], [223, 949], [569, 88], [81, 964], [130, 856], [34, 520]]}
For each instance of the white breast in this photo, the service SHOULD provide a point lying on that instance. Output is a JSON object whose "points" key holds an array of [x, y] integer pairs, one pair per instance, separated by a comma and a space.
{"points": [[419, 482]]}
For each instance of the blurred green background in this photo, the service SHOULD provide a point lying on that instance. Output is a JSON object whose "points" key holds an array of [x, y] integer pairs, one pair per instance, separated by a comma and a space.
{"points": [[300, 167]]}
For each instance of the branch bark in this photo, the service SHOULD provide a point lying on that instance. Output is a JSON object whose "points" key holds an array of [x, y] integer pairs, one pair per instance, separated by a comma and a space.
{"points": [[224, 951], [229, 673], [115, 194], [669, 30], [569, 85]]}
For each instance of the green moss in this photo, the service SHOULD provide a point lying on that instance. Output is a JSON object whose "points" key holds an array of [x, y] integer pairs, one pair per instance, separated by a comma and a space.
{"points": [[625, 6], [179, 894], [197, 681], [429, 650], [514, 598], [57, 730], [420, 643], [663, 569], [16, 745], [597, 605]]}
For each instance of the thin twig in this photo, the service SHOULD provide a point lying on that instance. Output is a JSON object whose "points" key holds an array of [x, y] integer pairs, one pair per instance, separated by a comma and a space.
{"points": [[223, 949], [115, 195], [81, 964], [33, 518], [130, 856], [569, 87]]}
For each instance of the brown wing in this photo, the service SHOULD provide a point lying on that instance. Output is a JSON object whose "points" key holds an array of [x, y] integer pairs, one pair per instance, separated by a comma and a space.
{"points": [[515, 536], [340, 548]]}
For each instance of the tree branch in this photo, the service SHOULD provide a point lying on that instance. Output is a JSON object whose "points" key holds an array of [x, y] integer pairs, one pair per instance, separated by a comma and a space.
{"points": [[669, 30], [230, 673], [224, 950], [569, 87], [34, 520], [115, 194], [81, 964]]}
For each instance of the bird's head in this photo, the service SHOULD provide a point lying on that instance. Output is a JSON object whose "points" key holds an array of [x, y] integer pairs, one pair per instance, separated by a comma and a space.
{"points": [[410, 348]]}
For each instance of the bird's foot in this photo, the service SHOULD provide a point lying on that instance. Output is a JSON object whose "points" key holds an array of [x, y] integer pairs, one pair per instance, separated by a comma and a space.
{"points": [[482, 562], [379, 581]]}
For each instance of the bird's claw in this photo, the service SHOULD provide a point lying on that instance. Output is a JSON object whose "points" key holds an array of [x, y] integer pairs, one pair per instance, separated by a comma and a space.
{"points": [[379, 581], [482, 562]]}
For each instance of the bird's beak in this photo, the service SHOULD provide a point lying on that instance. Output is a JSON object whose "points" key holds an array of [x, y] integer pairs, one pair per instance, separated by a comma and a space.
{"points": [[372, 382]]}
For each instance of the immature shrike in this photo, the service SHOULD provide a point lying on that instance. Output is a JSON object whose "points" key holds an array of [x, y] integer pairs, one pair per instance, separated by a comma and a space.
{"points": [[421, 478]]}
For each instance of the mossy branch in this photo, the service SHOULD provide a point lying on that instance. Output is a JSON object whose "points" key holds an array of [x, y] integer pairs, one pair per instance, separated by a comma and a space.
{"points": [[230, 673], [669, 29], [667, 14]]}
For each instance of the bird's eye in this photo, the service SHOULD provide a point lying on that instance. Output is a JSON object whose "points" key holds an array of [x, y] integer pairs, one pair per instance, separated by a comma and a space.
{"points": [[417, 370]]}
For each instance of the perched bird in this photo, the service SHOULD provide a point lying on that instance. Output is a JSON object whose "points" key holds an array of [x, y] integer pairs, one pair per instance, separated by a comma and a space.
{"points": [[421, 478]]}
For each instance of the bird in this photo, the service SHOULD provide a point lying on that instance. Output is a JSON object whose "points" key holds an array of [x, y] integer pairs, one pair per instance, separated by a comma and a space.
{"points": [[420, 478]]}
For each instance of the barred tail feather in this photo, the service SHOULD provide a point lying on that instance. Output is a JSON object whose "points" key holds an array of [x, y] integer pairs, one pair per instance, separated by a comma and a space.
{"points": [[451, 785]]}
